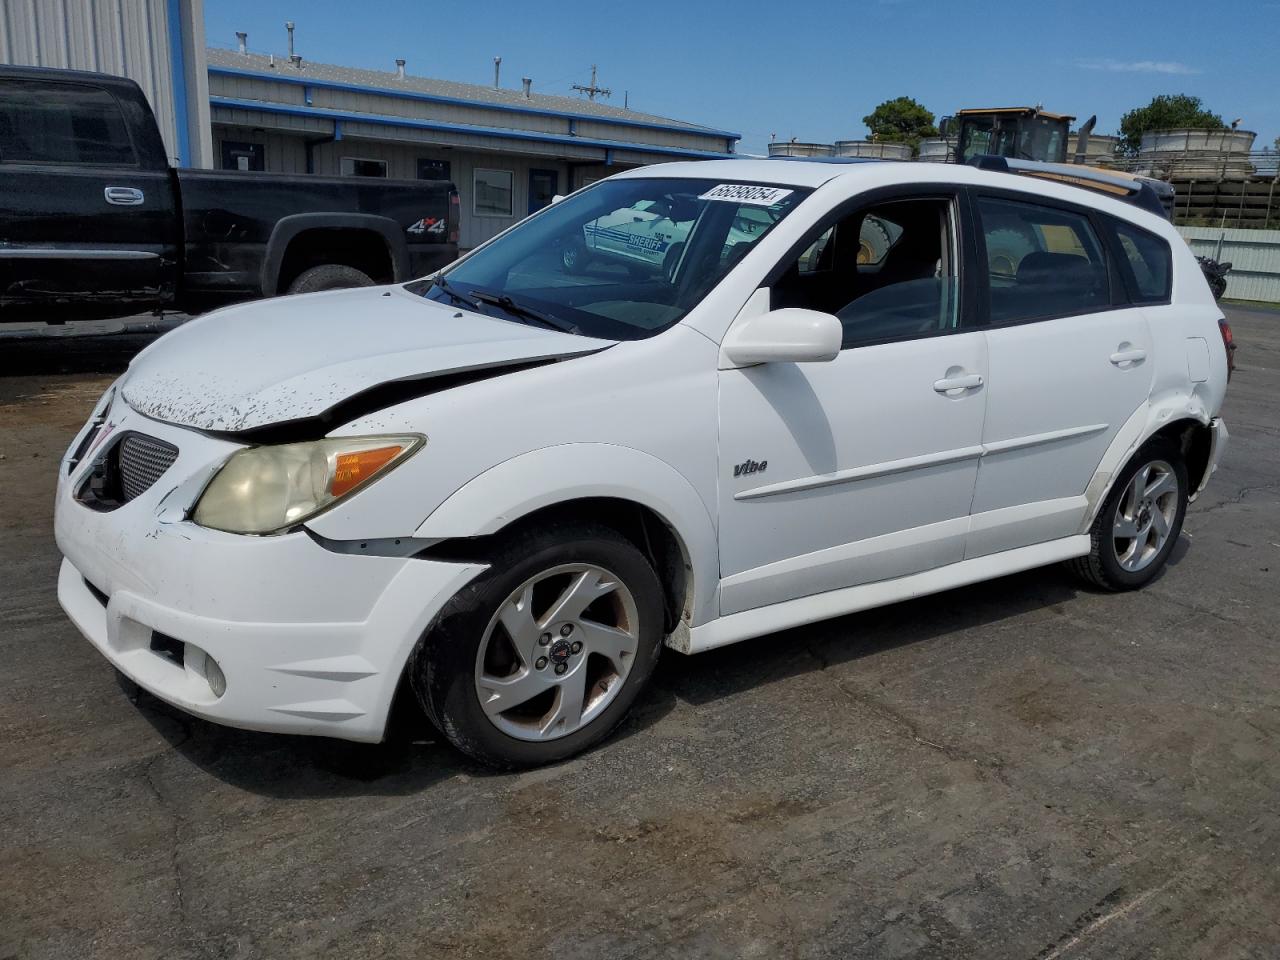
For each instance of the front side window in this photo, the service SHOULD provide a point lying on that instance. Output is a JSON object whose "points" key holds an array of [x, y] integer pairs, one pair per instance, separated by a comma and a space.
{"points": [[1041, 261], [888, 272], [1150, 260], [622, 260], [53, 122], [493, 193]]}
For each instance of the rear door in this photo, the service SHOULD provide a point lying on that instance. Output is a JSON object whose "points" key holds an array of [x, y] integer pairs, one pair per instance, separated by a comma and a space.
{"points": [[1069, 364], [86, 229]]}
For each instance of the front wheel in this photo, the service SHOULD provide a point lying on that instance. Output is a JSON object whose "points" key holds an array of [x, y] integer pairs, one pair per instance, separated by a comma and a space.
{"points": [[1138, 525], [541, 656]]}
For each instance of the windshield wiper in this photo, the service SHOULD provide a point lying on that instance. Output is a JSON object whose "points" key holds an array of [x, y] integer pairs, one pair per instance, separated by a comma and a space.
{"points": [[520, 310], [447, 289]]}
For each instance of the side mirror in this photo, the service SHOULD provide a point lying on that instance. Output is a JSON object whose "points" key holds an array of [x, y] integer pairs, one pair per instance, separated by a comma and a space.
{"points": [[791, 335], [946, 126]]}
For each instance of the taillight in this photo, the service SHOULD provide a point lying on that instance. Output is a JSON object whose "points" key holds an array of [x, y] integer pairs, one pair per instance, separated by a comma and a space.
{"points": [[455, 214], [1228, 344]]}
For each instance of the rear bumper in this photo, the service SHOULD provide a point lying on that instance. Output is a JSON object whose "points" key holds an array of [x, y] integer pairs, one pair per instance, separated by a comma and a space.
{"points": [[309, 640], [1217, 444]]}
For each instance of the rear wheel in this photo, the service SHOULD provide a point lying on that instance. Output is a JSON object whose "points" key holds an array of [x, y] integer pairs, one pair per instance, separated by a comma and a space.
{"points": [[1138, 525], [542, 655], [329, 276]]}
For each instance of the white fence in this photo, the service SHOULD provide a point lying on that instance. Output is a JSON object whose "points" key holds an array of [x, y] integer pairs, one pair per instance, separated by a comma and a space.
{"points": [[1254, 257]]}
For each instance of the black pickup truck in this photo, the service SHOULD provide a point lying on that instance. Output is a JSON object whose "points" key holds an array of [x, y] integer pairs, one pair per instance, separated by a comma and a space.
{"points": [[95, 223]]}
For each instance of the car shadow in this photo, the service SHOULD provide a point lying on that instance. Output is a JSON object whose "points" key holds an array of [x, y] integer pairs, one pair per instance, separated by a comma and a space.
{"points": [[832, 643], [415, 757]]}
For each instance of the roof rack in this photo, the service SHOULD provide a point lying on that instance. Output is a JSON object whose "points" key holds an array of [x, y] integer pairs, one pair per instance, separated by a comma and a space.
{"points": [[830, 159], [1154, 196]]}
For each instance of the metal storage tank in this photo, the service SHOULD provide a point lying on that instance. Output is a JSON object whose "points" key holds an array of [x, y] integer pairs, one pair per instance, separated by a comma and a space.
{"points": [[793, 149], [935, 149], [873, 149], [1190, 153]]}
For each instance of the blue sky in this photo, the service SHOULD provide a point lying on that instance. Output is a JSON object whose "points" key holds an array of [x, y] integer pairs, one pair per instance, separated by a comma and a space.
{"points": [[809, 70]]}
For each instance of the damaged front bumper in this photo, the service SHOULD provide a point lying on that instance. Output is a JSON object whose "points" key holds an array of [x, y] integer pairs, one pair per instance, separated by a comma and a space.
{"points": [[271, 633]]}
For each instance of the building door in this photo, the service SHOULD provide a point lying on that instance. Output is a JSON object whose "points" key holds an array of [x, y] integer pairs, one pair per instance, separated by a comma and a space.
{"points": [[242, 155], [543, 185]]}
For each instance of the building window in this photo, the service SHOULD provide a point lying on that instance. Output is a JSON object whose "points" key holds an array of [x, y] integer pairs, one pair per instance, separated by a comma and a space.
{"points": [[434, 170], [493, 193], [355, 167], [239, 155]]}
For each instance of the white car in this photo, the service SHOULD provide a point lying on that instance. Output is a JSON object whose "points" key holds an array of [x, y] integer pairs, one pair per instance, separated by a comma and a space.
{"points": [[506, 489]]}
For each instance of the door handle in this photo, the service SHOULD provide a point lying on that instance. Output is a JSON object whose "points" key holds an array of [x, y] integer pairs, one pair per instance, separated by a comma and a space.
{"points": [[1128, 356], [124, 196], [968, 381]]}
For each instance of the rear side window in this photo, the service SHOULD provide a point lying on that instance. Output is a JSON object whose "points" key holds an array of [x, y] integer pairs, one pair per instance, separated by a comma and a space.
{"points": [[1149, 259], [44, 122], [1042, 262]]}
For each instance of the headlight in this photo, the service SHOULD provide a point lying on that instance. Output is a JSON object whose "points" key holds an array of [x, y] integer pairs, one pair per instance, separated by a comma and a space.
{"points": [[271, 488]]}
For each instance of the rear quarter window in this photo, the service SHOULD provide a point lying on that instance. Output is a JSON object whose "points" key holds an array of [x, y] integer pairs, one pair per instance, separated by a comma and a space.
{"points": [[1150, 261]]}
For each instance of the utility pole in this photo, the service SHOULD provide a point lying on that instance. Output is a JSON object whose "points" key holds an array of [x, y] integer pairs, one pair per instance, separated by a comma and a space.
{"points": [[592, 90]]}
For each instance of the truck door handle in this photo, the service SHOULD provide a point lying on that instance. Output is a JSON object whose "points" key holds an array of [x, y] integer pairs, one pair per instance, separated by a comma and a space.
{"points": [[124, 196], [968, 381], [1128, 356]]}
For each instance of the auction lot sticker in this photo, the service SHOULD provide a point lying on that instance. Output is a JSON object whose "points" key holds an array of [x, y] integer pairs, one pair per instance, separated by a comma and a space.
{"points": [[747, 193]]}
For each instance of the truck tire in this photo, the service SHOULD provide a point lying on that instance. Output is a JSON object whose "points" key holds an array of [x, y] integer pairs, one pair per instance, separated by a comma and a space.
{"points": [[329, 276]]}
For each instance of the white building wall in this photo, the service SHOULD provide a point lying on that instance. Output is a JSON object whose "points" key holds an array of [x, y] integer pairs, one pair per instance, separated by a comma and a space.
{"points": [[130, 38]]}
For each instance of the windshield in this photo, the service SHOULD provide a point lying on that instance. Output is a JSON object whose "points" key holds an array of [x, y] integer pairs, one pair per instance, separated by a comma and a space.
{"points": [[620, 260]]}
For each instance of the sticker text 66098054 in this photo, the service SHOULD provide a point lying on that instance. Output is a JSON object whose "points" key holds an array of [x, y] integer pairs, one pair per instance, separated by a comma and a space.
{"points": [[753, 194]]}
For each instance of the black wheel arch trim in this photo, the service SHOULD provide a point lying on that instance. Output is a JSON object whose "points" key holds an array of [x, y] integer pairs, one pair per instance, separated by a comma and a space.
{"points": [[287, 229]]}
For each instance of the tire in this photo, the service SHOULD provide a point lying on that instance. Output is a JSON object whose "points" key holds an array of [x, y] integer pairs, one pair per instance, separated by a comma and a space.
{"points": [[1126, 563], [574, 257], [672, 260], [329, 276], [468, 653]]}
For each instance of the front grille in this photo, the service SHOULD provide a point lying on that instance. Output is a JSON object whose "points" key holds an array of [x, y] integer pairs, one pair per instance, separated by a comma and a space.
{"points": [[142, 461], [126, 470]]}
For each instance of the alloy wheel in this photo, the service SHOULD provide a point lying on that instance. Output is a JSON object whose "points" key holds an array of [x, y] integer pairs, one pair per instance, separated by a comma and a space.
{"points": [[1145, 516], [557, 652]]}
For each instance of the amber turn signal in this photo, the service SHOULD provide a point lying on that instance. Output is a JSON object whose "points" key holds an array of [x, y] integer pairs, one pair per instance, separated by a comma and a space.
{"points": [[353, 469]]}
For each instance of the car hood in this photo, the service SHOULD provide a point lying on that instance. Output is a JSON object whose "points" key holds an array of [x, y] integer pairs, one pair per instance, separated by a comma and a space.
{"points": [[298, 358]]}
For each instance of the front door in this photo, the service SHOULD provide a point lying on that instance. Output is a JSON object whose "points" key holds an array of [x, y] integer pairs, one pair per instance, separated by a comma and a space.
{"points": [[543, 186], [85, 228], [1070, 363], [860, 469]]}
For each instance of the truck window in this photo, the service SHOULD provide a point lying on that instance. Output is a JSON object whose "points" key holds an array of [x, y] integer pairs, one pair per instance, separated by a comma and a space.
{"points": [[53, 122]]}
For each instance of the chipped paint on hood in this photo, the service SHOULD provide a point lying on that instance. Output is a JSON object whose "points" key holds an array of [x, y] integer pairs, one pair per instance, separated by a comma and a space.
{"points": [[289, 358]]}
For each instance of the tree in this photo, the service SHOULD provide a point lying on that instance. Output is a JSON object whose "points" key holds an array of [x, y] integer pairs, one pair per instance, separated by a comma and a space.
{"points": [[1165, 112], [900, 120]]}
